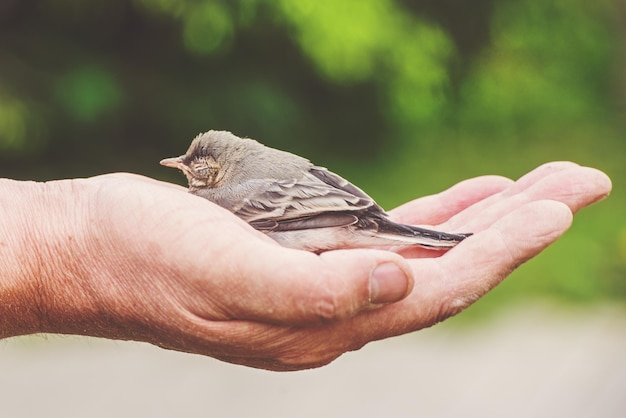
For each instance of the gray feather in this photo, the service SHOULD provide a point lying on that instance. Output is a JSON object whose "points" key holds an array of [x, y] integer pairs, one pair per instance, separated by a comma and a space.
{"points": [[298, 204]]}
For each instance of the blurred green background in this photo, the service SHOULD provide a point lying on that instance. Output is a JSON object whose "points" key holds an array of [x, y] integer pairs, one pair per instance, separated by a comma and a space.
{"points": [[405, 98]]}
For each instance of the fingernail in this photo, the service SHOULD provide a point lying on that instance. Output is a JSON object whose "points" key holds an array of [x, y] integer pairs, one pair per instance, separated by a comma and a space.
{"points": [[388, 283]]}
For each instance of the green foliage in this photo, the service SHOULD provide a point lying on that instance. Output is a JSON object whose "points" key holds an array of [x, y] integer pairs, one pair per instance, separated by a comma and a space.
{"points": [[378, 41], [207, 28], [13, 123], [544, 68], [343, 38], [404, 98], [87, 93], [20, 126]]}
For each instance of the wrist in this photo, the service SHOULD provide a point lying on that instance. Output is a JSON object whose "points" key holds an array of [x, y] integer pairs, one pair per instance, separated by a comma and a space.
{"points": [[38, 257]]}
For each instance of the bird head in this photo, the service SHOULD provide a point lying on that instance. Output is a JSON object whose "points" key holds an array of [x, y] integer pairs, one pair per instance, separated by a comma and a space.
{"points": [[207, 159]]}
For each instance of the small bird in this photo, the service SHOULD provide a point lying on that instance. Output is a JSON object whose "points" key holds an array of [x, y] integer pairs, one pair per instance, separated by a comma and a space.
{"points": [[296, 203]]}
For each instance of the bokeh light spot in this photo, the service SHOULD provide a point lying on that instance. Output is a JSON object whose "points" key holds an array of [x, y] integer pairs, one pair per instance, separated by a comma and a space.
{"points": [[88, 93]]}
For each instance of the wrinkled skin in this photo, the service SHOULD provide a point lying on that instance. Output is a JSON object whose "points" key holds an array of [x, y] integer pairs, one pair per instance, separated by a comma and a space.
{"points": [[126, 257]]}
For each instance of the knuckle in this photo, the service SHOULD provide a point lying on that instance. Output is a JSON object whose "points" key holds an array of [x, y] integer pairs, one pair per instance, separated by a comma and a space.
{"points": [[305, 361], [309, 352], [455, 304], [332, 300], [286, 350], [327, 307]]}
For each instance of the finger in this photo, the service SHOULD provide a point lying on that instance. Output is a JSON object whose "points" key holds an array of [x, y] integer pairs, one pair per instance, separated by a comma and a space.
{"points": [[494, 253], [516, 187], [438, 208], [447, 285], [276, 285], [540, 173], [261, 345], [577, 187], [435, 209], [443, 288], [574, 186]]}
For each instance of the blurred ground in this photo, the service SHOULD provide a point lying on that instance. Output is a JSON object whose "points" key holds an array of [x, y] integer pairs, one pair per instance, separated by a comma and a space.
{"points": [[532, 360]]}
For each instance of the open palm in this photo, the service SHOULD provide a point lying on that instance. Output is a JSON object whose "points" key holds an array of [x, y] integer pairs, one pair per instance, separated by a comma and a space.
{"points": [[175, 270]]}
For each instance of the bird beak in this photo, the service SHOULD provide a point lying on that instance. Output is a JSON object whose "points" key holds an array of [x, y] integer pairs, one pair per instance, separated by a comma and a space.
{"points": [[174, 162]]}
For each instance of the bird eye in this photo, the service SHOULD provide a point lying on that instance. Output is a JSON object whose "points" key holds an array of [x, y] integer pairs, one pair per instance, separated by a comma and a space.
{"points": [[204, 168], [200, 166]]}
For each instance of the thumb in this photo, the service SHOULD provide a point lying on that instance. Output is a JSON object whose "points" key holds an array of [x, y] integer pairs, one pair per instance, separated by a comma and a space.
{"points": [[292, 287]]}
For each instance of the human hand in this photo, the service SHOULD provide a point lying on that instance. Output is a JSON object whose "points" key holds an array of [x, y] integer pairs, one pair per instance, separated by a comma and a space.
{"points": [[152, 263]]}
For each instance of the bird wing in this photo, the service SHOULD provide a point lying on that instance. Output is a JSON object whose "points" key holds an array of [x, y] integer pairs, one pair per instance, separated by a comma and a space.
{"points": [[319, 199]]}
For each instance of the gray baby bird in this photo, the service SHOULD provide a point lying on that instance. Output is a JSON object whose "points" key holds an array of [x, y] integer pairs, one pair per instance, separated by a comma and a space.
{"points": [[296, 203]]}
